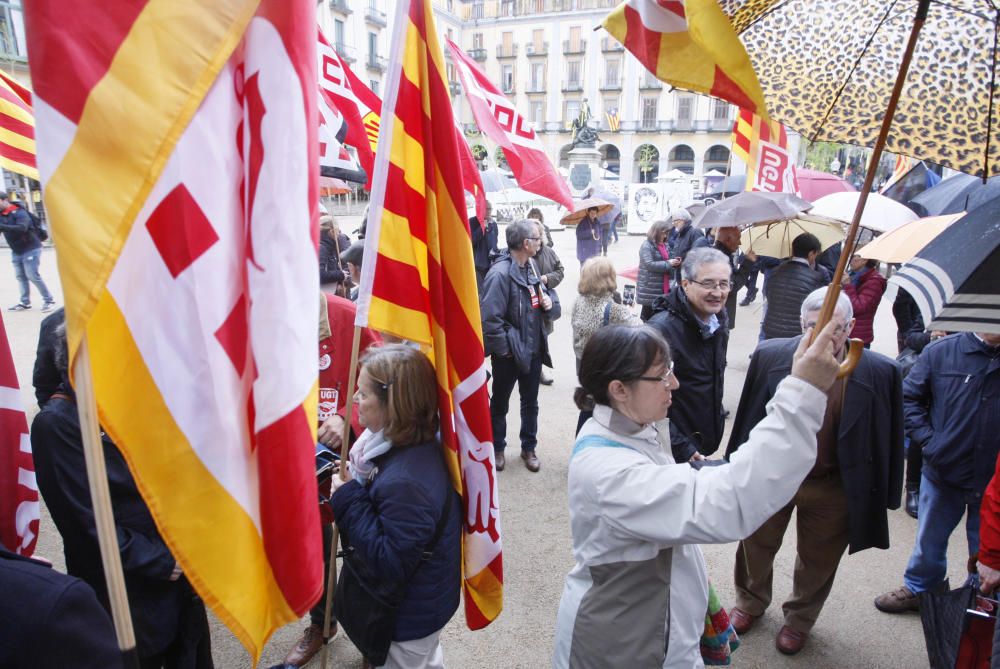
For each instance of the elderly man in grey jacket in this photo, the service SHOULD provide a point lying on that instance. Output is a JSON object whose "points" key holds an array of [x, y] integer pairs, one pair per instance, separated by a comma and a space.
{"points": [[516, 307]]}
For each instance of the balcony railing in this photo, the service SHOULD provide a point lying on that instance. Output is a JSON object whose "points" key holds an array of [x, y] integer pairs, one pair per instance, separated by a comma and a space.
{"points": [[650, 85], [340, 6], [611, 85], [721, 125], [570, 47], [572, 86], [534, 87], [533, 49], [346, 52], [648, 124], [478, 54], [455, 87], [506, 51], [610, 44], [507, 87], [493, 10], [375, 17], [376, 63], [683, 124]]}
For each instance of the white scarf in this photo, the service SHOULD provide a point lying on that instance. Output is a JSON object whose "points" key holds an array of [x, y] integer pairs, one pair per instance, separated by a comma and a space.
{"points": [[368, 446]]}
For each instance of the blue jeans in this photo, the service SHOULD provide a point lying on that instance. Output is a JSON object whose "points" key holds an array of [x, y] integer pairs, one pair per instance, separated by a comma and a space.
{"points": [[941, 511], [25, 270], [505, 375]]}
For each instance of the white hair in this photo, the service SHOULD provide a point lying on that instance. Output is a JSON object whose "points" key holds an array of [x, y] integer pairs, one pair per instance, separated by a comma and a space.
{"points": [[814, 302], [680, 214]]}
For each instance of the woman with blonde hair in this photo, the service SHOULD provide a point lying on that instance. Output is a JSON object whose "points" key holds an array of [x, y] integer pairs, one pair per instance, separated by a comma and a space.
{"points": [[399, 516]]}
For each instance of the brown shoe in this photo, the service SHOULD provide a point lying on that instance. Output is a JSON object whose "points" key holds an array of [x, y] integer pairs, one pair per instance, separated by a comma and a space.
{"points": [[790, 641], [531, 461], [741, 620], [308, 645], [898, 601], [499, 460]]}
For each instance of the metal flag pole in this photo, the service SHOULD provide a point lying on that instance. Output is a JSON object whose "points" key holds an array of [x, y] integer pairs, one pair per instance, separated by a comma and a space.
{"points": [[830, 303], [100, 495]]}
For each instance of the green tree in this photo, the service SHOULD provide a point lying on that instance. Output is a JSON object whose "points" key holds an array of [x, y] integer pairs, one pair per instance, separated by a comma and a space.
{"points": [[648, 162]]}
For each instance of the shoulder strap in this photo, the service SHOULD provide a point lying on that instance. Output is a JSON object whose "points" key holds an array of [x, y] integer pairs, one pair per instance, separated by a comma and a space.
{"points": [[607, 314], [439, 530], [595, 441]]}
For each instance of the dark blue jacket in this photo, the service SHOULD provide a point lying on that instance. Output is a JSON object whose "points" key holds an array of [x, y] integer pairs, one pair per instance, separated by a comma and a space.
{"points": [[389, 522], [50, 620], [484, 243], [951, 402], [16, 227]]}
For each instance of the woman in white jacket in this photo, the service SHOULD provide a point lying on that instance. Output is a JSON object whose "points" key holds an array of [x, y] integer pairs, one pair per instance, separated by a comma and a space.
{"points": [[638, 594]]}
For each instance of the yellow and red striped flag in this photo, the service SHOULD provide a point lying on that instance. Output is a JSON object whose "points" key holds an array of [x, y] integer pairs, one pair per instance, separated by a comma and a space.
{"points": [[419, 283], [17, 128], [689, 44], [763, 148], [178, 147]]}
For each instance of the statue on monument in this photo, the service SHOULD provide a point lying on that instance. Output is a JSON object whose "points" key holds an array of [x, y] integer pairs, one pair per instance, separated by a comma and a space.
{"points": [[583, 135]]}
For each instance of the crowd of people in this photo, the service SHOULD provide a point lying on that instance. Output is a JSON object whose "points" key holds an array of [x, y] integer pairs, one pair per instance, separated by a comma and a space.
{"points": [[647, 484]]}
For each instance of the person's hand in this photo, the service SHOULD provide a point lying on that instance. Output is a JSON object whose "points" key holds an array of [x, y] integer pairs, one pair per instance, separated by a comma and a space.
{"points": [[546, 302], [544, 279], [845, 279], [989, 578], [331, 432], [937, 334], [751, 256], [815, 363], [675, 262], [697, 456], [336, 481]]}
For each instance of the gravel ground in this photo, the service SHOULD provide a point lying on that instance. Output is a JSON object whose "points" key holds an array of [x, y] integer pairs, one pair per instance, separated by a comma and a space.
{"points": [[850, 632]]}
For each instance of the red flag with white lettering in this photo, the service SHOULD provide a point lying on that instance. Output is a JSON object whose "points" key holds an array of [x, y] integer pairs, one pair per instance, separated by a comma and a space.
{"points": [[497, 117], [18, 491]]}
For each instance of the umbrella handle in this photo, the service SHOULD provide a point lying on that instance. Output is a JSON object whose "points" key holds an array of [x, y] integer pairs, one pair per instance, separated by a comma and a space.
{"points": [[854, 349]]}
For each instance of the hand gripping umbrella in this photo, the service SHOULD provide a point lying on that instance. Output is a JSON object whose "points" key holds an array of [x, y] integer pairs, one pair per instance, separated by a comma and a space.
{"points": [[827, 71]]}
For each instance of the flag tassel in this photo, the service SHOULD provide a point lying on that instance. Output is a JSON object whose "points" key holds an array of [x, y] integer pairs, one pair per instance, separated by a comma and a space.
{"points": [[100, 495], [331, 576]]}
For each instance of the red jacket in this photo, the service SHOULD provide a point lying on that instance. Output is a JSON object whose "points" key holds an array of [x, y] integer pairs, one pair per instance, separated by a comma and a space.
{"points": [[865, 298], [335, 358], [989, 523]]}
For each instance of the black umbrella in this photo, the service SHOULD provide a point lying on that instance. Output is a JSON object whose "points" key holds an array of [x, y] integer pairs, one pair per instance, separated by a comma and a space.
{"points": [[943, 618], [961, 192], [954, 279]]}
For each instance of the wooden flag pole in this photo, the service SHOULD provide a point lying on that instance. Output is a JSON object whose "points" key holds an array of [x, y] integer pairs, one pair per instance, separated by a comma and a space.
{"points": [[331, 575], [100, 495]]}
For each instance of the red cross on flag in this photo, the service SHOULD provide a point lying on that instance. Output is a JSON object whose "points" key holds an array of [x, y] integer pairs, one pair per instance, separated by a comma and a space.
{"points": [[177, 142]]}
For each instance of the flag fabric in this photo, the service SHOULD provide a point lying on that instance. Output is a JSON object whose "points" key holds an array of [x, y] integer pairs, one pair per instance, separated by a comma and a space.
{"points": [[419, 283], [903, 165], [19, 510], [614, 121], [909, 179], [689, 44], [763, 147], [178, 148], [335, 161], [17, 128], [471, 179], [497, 117]]}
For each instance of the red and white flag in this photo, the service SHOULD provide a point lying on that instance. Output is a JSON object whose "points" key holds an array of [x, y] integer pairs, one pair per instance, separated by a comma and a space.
{"points": [[18, 490], [498, 118]]}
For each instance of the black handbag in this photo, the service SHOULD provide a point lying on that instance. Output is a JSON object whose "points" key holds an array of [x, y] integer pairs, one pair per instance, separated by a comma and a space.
{"points": [[365, 608]]}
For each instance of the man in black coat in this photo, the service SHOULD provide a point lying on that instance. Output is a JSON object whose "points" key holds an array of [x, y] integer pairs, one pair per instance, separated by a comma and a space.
{"points": [[25, 252], [788, 286], [843, 501], [692, 318], [484, 243], [727, 240], [50, 620]]}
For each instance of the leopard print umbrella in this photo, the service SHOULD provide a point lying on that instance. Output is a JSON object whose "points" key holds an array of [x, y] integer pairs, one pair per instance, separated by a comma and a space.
{"points": [[827, 68]]}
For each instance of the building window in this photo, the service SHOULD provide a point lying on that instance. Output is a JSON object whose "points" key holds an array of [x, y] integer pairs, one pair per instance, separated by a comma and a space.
{"points": [[684, 107], [571, 110], [538, 114], [12, 43], [372, 47], [477, 10], [338, 32], [507, 77], [649, 113], [373, 84], [477, 40], [717, 154], [720, 110], [611, 77], [537, 76], [573, 68]]}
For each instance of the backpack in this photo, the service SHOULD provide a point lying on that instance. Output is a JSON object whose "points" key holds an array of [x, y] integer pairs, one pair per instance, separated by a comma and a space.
{"points": [[36, 227]]}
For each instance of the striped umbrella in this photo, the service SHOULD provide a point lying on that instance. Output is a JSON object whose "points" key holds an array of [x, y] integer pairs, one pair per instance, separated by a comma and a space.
{"points": [[954, 278]]}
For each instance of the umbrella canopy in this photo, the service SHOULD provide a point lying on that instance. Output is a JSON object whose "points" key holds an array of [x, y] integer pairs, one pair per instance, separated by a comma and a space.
{"points": [[673, 175], [827, 69], [960, 192], [732, 184], [494, 181], [954, 278], [814, 184], [750, 207], [580, 208], [881, 213], [901, 244], [775, 239]]}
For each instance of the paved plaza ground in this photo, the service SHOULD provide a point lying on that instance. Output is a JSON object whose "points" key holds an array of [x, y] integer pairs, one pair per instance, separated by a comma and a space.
{"points": [[850, 632]]}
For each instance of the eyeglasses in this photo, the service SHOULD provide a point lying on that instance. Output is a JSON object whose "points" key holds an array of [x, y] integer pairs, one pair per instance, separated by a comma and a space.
{"points": [[535, 239], [664, 379], [713, 285], [839, 330]]}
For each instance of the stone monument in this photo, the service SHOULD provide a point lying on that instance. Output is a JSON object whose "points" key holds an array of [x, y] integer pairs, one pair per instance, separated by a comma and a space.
{"points": [[584, 158]]}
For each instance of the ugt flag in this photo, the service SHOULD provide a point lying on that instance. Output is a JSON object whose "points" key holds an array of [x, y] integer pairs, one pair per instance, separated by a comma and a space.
{"points": [[177, 141], [419, 283], [763, 147]]}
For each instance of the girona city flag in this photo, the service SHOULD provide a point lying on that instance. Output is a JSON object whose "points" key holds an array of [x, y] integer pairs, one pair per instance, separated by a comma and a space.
{"points": [[419, 283], [177, 142]]}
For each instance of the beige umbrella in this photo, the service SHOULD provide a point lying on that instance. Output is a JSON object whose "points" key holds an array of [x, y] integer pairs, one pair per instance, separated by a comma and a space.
{"points": [[901, 244], [580, 208], [775, 239]]}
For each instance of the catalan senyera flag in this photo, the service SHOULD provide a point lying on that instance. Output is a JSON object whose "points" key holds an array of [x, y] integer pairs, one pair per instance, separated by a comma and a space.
{"points": [[418, 282], [689, 44], [763, 147], [19, 509], [17, 128], [178, 148], [903, 165], [614, 121]]}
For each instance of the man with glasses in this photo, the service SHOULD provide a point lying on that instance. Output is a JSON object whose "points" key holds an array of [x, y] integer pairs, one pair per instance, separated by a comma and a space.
{"points": [[692, 318], [516, 307], [842, 503]]}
